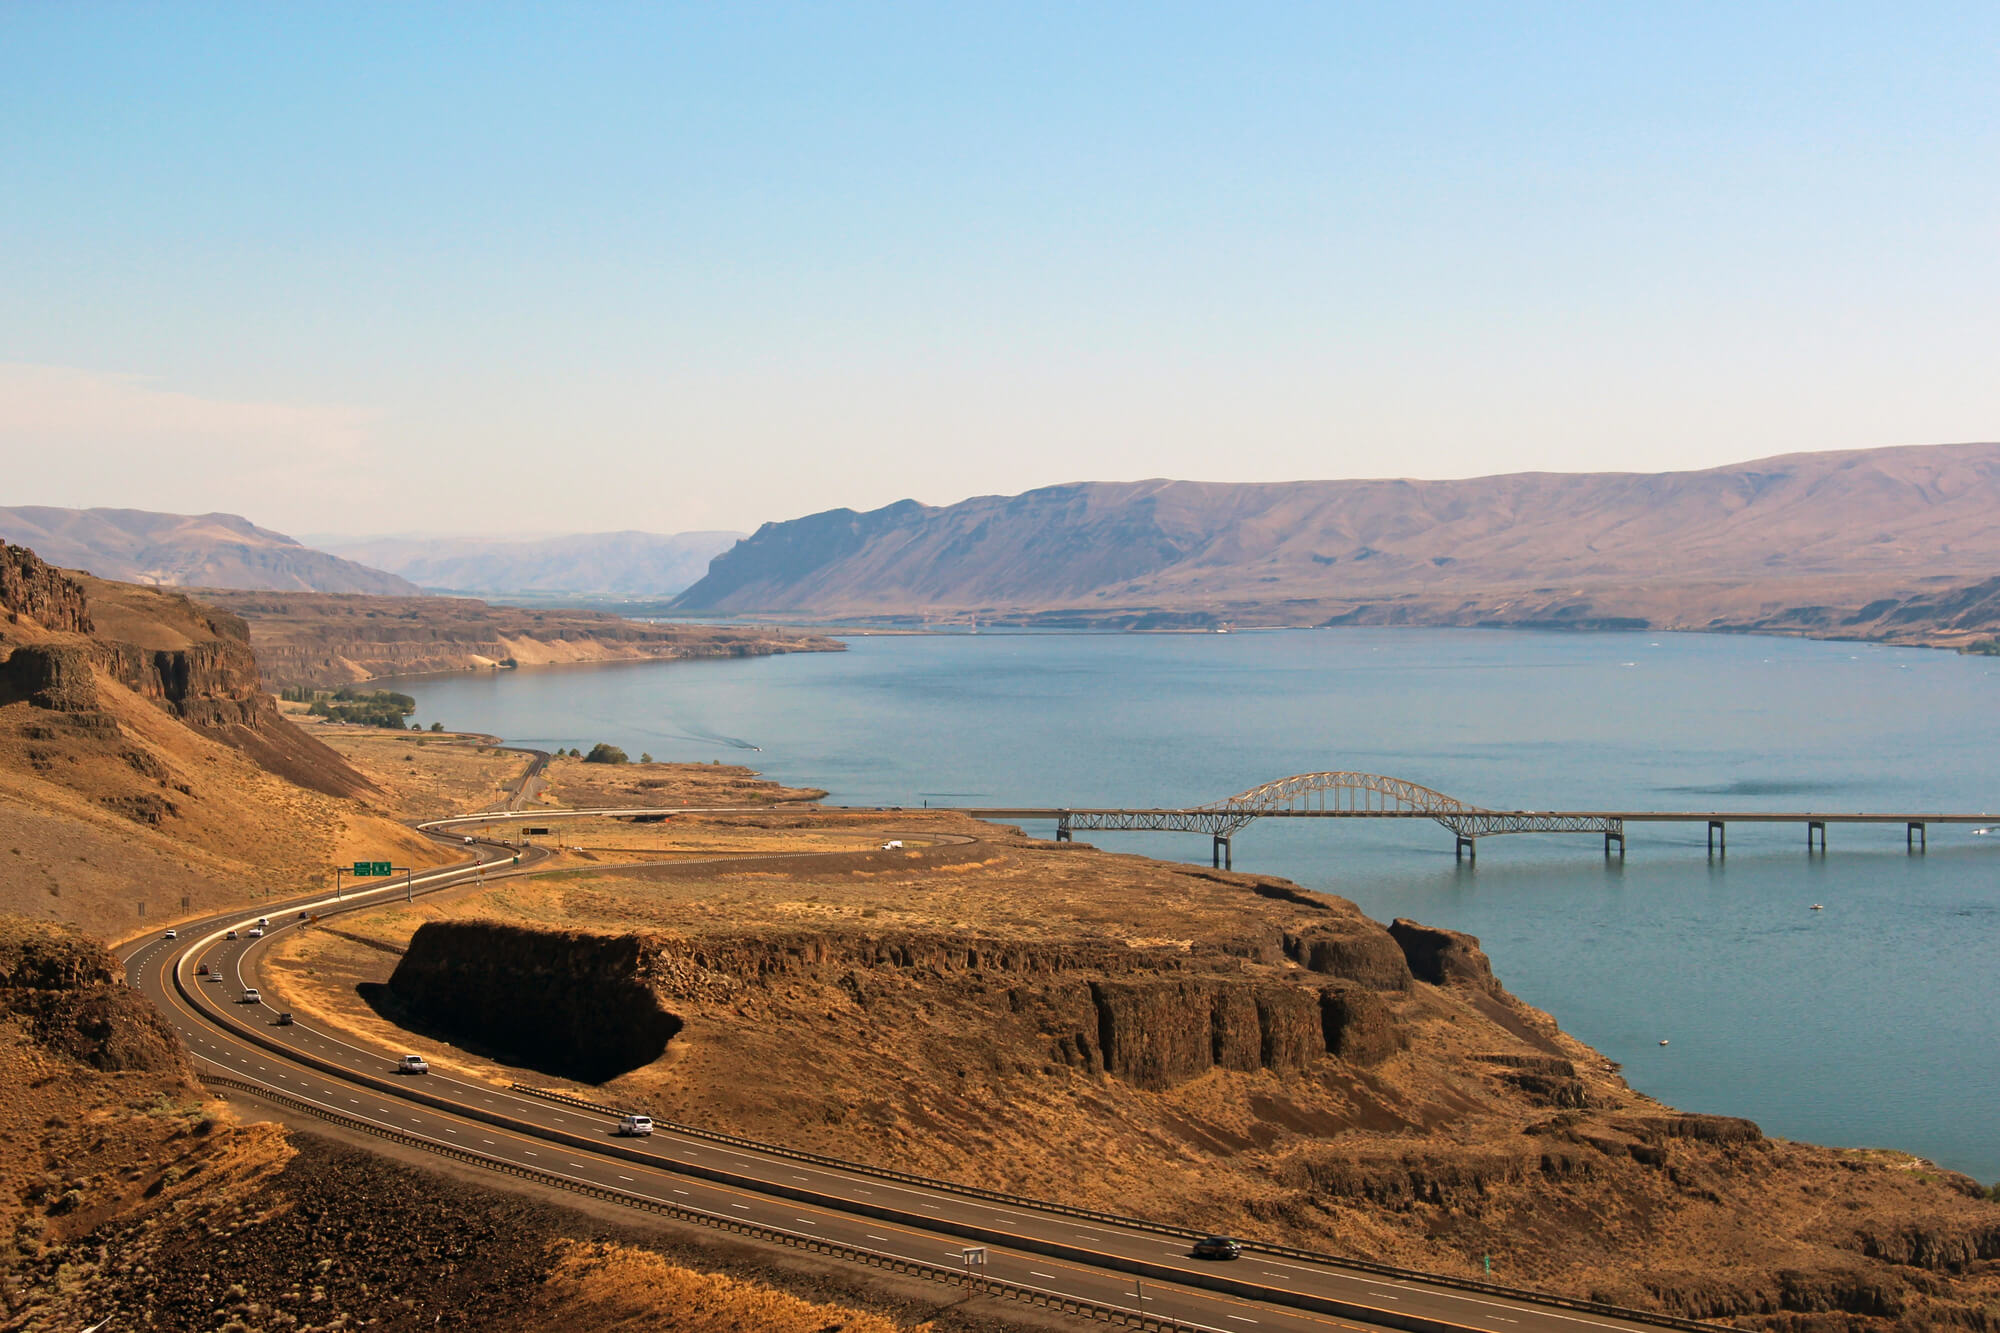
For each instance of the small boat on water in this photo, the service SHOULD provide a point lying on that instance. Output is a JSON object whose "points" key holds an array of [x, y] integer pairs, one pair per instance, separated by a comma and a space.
{"points": [[1819, 907]]}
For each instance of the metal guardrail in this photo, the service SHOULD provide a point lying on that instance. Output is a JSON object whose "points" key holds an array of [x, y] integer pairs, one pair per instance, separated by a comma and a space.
{"points": [[1098, 1312], [1525, 1294]]}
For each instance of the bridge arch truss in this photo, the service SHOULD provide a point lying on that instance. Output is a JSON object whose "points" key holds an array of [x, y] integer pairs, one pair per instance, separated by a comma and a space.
{"points": [[1334, 795]]}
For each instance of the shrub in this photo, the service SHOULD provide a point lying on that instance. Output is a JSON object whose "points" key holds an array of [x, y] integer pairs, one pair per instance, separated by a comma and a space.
{"points": [[601, 753]]}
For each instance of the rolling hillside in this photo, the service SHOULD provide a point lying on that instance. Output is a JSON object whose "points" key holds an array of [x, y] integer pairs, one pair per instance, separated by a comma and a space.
{"points": [[602, 564], [187, 551], [1804, 535]]}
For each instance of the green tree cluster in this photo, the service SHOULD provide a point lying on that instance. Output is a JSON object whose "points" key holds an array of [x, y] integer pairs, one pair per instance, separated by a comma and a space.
{"points": [[366, 708], [602, 753]]}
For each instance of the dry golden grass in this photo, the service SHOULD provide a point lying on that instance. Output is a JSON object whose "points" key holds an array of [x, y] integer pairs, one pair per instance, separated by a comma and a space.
{"points": [[423, 775], [610, 1288], [583, 786]]}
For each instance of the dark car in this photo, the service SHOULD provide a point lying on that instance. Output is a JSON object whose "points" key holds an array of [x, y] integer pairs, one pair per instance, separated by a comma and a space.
{"points": [[284, 1020], [1217, 1247]]}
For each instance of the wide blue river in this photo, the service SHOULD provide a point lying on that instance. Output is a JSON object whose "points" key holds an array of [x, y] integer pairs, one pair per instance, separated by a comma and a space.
{"points": [[1873, 1022]]}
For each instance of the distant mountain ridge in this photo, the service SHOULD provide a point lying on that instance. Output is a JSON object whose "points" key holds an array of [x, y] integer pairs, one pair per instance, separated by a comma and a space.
{"points": [[187, 551], [1669, 550], [615, 564]]}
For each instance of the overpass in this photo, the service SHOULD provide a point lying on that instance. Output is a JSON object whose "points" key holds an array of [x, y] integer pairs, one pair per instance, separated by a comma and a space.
{"points": [[1353, 795]]}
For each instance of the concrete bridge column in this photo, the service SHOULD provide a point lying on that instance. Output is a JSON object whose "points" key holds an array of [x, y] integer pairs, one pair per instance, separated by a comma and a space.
{"points": [[1465, 848], [1223, 859], [1913, 837], [1816, 829], [1063, 831], [1718, 837], [1610, 837]]}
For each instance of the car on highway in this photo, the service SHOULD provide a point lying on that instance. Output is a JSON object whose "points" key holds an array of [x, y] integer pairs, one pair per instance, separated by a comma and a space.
{"points": [[230, 936], [263, 921], [201, 969], [635, 1126], [1217, 1247], [250, 996], [302, 916], [285, 1019], [412, 1064], [256, 932], [171, 934]]}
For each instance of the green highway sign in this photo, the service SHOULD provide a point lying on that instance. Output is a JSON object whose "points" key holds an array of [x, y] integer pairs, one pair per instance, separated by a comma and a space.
{"points": [[372, 868]]}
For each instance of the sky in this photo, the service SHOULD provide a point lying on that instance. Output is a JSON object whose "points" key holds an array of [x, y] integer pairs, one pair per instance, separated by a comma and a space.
{"points": [[532, 268]]}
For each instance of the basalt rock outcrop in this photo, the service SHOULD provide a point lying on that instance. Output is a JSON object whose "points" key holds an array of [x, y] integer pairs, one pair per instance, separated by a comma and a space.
{"points": [[58, 677], [39, 592], [190, 659], [1443, 957], [66, 989], [568, 1003], [595, 1006]]}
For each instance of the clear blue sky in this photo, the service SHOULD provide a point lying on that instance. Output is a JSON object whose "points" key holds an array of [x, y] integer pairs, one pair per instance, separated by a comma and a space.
{"points": [[361, 268]]}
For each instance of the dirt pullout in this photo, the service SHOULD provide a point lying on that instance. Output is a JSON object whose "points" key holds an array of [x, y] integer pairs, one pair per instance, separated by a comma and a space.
{"points": [[1221, 1049]]}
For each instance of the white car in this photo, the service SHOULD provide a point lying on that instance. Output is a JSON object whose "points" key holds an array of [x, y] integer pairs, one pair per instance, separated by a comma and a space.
{"points": [[412, 1064], [171, 934], [250, 996], [635, 1127], [256, 932]]}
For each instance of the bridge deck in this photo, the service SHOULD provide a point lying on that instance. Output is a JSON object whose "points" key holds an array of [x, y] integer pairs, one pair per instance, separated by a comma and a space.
{"points": [[1628, 816]]}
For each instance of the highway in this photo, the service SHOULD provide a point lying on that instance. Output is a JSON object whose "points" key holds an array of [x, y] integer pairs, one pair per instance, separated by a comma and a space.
{"points": [[1126, 1267]]}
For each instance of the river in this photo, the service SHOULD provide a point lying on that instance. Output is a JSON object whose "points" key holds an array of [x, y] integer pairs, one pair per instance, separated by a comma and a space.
{"points": [[1869, 1023]]}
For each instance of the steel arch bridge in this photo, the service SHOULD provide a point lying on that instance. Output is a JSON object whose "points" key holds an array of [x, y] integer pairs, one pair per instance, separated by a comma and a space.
{"points": [[1339, 795]]}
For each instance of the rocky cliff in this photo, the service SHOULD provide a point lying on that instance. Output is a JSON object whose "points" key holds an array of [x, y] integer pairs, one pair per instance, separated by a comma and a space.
{"points": [[191, 660], [40, 593], [68, 990], [574, 1004], [594, 1006], [325, 642]]}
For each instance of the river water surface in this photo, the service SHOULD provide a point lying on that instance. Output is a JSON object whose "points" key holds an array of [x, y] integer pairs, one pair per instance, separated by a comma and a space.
{"points": [[1870, 1023]]}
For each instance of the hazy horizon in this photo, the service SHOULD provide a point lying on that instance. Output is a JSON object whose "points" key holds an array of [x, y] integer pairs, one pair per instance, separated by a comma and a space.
{"points": [[472, 272]]}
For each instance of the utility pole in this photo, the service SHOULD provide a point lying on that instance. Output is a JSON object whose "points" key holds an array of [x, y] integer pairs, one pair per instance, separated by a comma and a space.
{"points": [[336, 882]]}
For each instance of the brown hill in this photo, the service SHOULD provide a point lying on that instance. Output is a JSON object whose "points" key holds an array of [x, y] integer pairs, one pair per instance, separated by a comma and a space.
{"points": [[1803, 533], [144, 773], [186, 551], [323, 641]]}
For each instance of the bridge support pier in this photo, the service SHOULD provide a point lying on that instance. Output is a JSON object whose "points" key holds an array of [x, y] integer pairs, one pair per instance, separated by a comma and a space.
{"points": [[1815, 832], [1609, 838], [1914, 838], [1222, 858], [1063, 831], [1718, 837], [1466, 849]]}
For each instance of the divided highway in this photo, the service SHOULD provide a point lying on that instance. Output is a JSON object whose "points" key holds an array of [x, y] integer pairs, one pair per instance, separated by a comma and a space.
{"points": [[1119, 1266]]}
